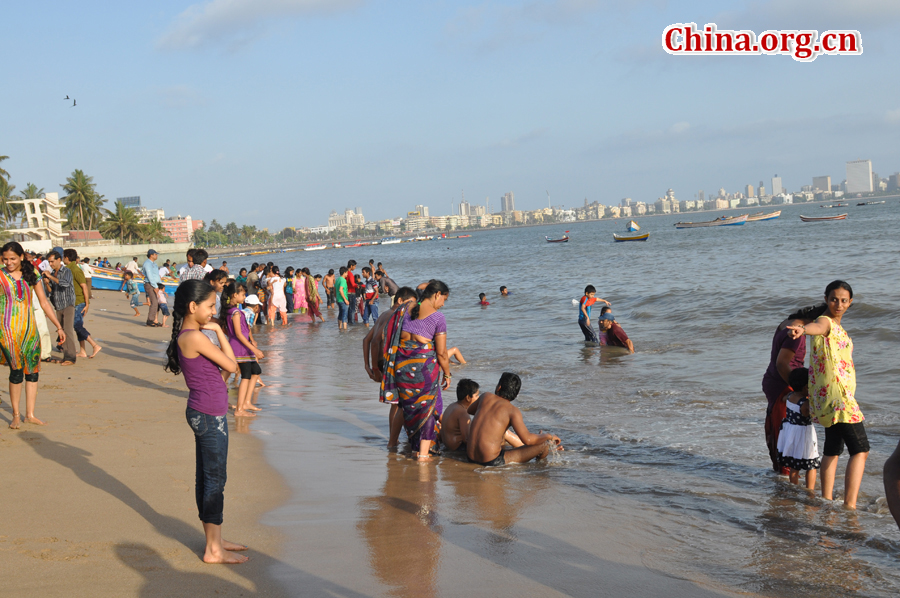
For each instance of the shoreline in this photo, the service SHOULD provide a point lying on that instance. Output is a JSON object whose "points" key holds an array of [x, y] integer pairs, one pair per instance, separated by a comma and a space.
{"points": [[106, 488]]}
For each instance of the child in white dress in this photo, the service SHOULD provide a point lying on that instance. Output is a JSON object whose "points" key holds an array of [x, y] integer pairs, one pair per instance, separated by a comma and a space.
{"points": [[798, 446]]}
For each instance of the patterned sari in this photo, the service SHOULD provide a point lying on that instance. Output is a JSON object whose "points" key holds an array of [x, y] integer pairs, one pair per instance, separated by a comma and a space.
{"points": [[312, 298], [412, 379]]}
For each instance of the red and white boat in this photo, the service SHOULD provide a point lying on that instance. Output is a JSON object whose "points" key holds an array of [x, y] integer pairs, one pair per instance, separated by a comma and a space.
{"points": [[823, 218]]}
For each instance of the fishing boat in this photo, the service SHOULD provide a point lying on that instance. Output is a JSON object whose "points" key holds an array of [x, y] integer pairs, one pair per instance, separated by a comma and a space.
{"points": [[318, 247], [467, 236], [642, 237], [869, 203], [110, 279], [390, 240], [336, 245], [822, 218], [835, 205], [632, 227], [721, 221], [760, 216], [564, 239], [357, 244]]}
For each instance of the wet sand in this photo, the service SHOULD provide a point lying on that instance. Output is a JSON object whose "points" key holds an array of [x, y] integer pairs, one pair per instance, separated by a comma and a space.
{"points": [[100, 501]]}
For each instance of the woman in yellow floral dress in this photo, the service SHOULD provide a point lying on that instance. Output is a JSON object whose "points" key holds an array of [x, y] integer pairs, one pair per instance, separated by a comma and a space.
{"points": [[832, 390], [20, 343]]}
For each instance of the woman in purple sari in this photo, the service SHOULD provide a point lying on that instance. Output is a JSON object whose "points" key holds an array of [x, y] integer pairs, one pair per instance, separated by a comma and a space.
{"points": [[415, 356]]}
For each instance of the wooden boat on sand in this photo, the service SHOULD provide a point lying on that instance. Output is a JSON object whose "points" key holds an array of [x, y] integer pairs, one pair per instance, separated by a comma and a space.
{"points": [[642, 237], [760, 216], [823, 218], [722, 221]]}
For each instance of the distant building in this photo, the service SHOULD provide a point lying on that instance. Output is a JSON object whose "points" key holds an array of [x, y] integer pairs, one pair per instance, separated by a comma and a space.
{"points": [[43, 223], [821, 183], [627, 201], [133, 202], [508, 202], [777, 189], [762, 190], [859, 176], [181, 229], [422, 210], [894, 182], [147, 215], [464, 208], [750, 191], [700, 197]]}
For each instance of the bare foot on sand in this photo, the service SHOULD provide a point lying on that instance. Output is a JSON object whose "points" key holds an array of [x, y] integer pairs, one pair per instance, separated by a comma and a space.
{"points": [[232, 546], [68, 363], [34, 420], [243, 413], [252, 408], [224, 558], [81, 354], [136, 315], [97, 350], [14, 424]]}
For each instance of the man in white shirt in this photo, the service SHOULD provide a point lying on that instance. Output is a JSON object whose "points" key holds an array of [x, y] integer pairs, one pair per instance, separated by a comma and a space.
{"points": [[132, 266], [163, 272]]}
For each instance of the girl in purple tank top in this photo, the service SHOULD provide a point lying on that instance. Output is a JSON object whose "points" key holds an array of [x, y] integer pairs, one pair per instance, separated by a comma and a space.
{"points": [[190, 352], [246, 353]]}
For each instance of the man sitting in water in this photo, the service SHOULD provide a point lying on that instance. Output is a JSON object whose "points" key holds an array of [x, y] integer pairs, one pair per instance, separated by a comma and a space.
{"points": [[494, 414], [615, 336], [455, 421]]}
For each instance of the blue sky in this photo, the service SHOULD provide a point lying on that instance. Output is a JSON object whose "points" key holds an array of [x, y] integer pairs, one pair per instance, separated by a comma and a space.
{"points": [[274, 112]]}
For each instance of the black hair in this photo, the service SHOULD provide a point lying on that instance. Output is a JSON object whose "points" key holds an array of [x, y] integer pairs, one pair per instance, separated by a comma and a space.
{"points": [[435, 287], [306, 271], [809, 313], [70, 255], [242, 270], [342, 271], [404, 294], [161, 286], [189, 254], [254, 266], [317, 276], [367, 269], [589, 289], [274, 270], [502, 289], [86, 260], [331, 272], [190, 291], [54, 254], [605, 309], [288, 271], [798, 378], [481, 295], [838, 284], [509, 386], [351, 263], [200, 256], [127, 273], [28, 273], [465, 388], [378, 273], [231, 289], [215, 275]]}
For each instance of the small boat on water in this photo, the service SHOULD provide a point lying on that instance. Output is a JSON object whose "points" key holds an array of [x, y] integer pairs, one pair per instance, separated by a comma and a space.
{"points": [[110, 279], [869, 203], [722, 221], [357, 244], [642, 237], [835, 205], [823, 218], [390, 240], [632, 227], [318, 247], [564, 239], [760, 216]]}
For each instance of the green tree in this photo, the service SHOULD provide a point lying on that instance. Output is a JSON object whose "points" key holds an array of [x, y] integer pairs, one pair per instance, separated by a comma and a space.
{"points": [[3, 174], [248, 233], [79, 189], [6, 195], [201, 237], [31, 191], [155, 232], [214, 226], [122, 224], [231, 231]]}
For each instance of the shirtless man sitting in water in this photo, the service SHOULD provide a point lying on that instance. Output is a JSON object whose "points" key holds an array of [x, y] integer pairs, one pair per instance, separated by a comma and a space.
{"points": [[494, 414], [455, 421], [373, 358]]}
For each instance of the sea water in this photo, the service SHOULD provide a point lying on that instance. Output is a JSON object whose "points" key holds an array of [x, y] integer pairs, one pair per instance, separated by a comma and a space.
{"points": [[676, 428]]}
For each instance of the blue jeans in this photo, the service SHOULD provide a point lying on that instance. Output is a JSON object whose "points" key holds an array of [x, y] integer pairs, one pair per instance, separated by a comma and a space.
{"points": [[80, 331], [211, 440], [370, 309], [342, 313], [351, 309]]}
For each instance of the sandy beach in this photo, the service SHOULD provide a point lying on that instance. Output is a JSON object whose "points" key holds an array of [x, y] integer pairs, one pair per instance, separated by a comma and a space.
{"points": [[100, 501], [104, 505]]}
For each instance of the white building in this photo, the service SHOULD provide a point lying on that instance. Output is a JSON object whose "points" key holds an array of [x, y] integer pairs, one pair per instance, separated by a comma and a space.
{"points": [[859, 176], [43, 227], [777, 189]]}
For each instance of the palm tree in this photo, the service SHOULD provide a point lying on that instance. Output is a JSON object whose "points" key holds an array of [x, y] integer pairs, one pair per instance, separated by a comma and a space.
{"points": [[79, 189], [248, 232], [6, 195], [214, 226], [31, 191], [155, 232], [123, 223], [3, 174], [232, 231], [94, 208], [200, 236]]}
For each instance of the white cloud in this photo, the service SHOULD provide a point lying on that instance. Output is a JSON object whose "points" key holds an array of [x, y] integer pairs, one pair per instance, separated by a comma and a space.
{"points": [[679, 127], [237, 22]]}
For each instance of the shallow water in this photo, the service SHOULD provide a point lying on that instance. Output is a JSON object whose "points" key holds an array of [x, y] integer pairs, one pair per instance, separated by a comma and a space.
{"points": [[669, 439]]}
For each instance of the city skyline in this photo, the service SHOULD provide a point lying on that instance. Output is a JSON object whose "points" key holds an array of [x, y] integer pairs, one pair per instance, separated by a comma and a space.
{"points": [[386, 106]]}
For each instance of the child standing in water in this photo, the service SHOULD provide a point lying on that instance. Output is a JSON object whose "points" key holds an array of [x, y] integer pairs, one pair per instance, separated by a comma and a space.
{"points": [[584, 313], [192, 354], [242, 344], [798, 446]]}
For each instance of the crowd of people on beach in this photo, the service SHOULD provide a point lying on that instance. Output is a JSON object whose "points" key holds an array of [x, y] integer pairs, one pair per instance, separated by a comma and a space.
{"points": [[405, 350]]}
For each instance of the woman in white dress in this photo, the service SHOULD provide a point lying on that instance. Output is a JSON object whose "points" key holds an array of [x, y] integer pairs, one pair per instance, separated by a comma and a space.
{"points": [[277, 300]]}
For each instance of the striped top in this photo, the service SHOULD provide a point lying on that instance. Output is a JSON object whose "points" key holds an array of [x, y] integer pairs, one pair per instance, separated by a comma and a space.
{"points": [[62, 293]]}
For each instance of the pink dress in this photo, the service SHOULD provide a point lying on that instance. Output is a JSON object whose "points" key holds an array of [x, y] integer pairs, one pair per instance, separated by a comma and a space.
{"points": [[300, 294]]}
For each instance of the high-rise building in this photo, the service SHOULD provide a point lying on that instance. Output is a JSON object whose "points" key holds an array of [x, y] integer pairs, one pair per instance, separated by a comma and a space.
{"points": [[701, 197], [464, 208], [762, 190], [508, 202], [777, 189], [133, 202], [821, 183], [876, 181], [859, 176], [627, 201], [422, 210], [181, 230], [750, 191], [894, 182]]}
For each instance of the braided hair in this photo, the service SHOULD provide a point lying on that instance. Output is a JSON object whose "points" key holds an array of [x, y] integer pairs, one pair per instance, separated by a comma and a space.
{"points": [[190, 291], [227, 301], [435, 287], [28, 273]]}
